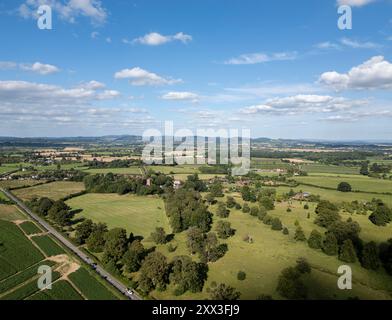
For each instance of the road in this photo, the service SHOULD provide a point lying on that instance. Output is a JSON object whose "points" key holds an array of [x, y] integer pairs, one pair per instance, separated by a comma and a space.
{"points": [[98, 269]]}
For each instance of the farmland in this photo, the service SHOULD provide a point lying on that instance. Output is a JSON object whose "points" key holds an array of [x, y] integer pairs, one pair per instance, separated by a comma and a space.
{"points": [[53, 190]]}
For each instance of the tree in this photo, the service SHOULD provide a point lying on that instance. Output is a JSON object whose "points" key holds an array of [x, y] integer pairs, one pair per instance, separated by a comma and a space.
{"points": [[290, 284], [347, 252], [222, 211], [116, 242], [188, 275], [381, 215], [299, 234], [325, 217], [133, 257], [370, 256], [193, 182], [315, 240], [344, 187], [195, 240], [159, 236], [154, 270], [248, 194], [254, 211], [330, 245], [267, 220], [216, 189], [303, 266], [96, 241], [245, 208], [224, 230], [241, 275], [59, 213], [83, 231], [285, 231], [276, 224], [267, 203], [43, 206], [344, 230], [230, 202], [224, 292], [306, 206], [364, 169]]}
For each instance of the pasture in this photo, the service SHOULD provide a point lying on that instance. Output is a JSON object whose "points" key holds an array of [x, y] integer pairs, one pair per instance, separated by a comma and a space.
{"points": [[54, 190], [137, 214], [358, 183], [10, 213]]}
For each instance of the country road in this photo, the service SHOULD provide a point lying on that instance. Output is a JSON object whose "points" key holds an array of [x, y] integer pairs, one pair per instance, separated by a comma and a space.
{"points": [[98, 269]]}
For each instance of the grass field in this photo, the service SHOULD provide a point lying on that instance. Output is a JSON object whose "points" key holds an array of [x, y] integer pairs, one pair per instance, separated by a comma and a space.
{"points": [[30, 228], [202, 176], [358, 183], [337, 196], [323, 168], [131, 170], [90, 287], [48, 245], [16, 252], [54, 190], [5, 168], [19, 183], [271, 252], [137, 214]]}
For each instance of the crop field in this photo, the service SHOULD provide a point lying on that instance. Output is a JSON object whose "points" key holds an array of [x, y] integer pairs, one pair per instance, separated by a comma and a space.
{"points": [[89, 286], [323, 168], [54, 190], [10, 213], [137, 214], [271, 251], [202, 176], [61, 290], [30, 228], [358, 183], [181, 169], [48, 245], [130, 171], [16, 252]]}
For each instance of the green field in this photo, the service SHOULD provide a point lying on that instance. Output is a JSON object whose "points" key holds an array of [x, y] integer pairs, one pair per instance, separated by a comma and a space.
{"points": [[16, 252], [5, 168], [90, 287], [137, 214], [9, 184], [54, 190], [48, 245], [358, 183], [130, 170], [30, 228], [61, 290]]}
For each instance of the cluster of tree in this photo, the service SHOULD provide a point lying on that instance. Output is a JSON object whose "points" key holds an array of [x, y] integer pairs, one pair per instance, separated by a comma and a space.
{"points": [[185, 208], [223, 292], [56, 175], [110, 183], [380, 168], [216, 169], [344, 187], [114, 164], [290, 281], [57, 211], [194, 183], [206, 245], [381, 214], [216, 190]]}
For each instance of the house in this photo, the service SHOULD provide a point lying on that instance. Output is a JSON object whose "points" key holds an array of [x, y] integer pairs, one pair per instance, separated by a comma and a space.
{"points": [[301, 196], [176, 184]]}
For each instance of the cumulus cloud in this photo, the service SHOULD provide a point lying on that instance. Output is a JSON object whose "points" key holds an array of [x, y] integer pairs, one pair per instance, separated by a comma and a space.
{"points": [[40, 68], [181, 96], [92, 85], [300, 104], [140, 77], [358, 44], [254, 58], [376, 73], [156, 39], [67, 10], [37, 67], [354, 3]]}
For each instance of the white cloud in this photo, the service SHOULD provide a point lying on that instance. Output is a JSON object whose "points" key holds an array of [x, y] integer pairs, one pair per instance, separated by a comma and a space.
{"points": [[156, 39], [327, 45], [141, 77], [181, 96], [40, 68], [376, 73], [354, 3], [67, 10], [7, 65], [94, 35], [299, 104], [254, 58], [359, 45], [108, 40], [92, 85]]}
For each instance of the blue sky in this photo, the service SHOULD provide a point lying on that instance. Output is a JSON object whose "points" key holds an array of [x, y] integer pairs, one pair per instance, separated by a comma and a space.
{"points": [[280, 68]]}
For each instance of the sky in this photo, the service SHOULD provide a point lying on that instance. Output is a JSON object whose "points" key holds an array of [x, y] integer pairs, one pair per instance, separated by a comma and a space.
{"points": [[283, 69]]}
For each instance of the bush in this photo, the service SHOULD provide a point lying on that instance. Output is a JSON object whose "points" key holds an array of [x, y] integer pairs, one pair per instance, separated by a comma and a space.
{"points": [[288, 210], [285, 231], [306, 207], [254, 211], [245, 208], [347, 252], [241, 275], [299, 234], [276, 224], [267, 220], [315, 240]]}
